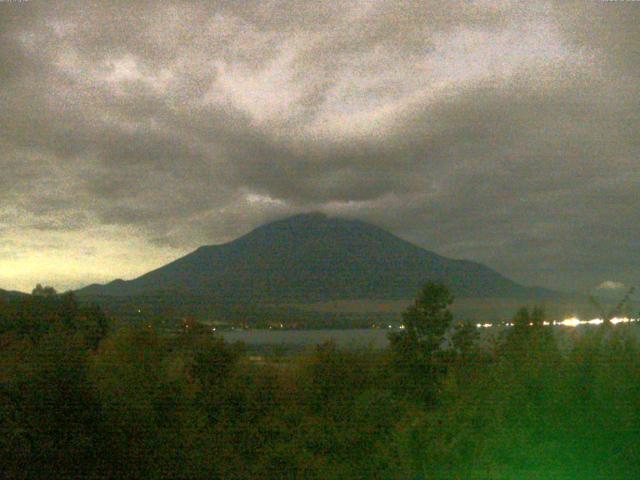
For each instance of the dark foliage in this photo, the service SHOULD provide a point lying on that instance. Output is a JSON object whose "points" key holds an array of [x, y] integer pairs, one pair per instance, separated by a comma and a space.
{"points": [[76, 402]]}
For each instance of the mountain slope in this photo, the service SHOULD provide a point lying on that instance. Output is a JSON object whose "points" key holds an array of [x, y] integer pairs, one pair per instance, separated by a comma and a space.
{"points": [[10, 294], [312, 257]]}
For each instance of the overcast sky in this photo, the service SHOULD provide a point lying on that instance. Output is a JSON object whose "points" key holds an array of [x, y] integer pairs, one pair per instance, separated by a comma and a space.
{"points": [[503, 132]]}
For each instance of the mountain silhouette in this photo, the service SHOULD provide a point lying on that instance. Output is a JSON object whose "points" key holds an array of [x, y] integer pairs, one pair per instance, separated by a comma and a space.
{"points": [[11, 294], [313, 257]]}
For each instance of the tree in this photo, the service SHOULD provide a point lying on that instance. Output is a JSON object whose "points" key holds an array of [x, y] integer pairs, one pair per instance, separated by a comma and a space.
{"points": [[48, 409], [416, 350], [528, 324], [464, 338], [607, 316], [41, 291], [429, 318]]}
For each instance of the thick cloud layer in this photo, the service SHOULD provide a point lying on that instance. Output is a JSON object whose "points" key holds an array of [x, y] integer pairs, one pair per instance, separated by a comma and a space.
{"points": [[504, 132]]}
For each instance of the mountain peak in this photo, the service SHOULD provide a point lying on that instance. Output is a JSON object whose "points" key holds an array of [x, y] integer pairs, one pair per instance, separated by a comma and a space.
{"points": [[308, 219], [300, 220], [311, 216], [315, 227]]}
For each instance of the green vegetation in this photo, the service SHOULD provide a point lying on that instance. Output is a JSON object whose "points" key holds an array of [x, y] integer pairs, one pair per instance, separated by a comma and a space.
{"points": [[78, 400]]}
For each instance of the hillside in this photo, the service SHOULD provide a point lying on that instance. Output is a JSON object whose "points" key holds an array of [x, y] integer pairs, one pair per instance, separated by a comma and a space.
{"points": [[314, 258], [10, 294]]}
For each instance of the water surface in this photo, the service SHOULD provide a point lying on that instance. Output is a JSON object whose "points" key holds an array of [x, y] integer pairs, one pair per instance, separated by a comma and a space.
{"points": [[355, 338]]}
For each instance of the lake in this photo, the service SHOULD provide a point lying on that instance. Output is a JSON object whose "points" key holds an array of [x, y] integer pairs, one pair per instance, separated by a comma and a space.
{"points": [[373, 338], [356, 338]]}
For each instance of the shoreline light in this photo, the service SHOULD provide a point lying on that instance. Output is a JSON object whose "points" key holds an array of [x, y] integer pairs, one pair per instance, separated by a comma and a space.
{"points": [[568, 322]]}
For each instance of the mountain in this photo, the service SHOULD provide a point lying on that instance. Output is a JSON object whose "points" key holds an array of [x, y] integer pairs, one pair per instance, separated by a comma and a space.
{"points": [[10, 294], [313, 258]]}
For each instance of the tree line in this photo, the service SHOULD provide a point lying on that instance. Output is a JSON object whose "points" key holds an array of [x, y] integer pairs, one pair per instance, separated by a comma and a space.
{"points": [[81, 399]]}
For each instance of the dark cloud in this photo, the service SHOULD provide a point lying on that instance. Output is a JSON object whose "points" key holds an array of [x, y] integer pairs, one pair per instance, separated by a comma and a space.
{"points": [[504, 132]]}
